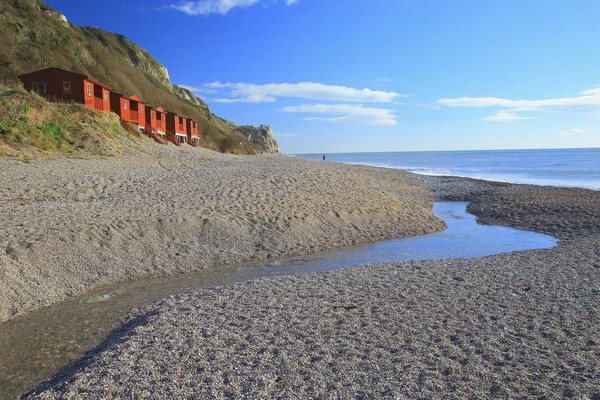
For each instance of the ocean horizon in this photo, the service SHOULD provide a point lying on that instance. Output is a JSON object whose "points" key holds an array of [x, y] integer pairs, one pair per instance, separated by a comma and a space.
{"points": [[547, 167]]}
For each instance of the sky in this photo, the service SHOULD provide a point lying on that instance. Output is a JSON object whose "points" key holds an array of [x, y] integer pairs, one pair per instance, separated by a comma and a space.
{"points": [[378, 75]]}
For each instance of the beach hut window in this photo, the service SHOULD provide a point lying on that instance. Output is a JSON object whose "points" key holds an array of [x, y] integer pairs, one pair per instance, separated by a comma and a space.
{"points": [[66, 87], [124, 105], [39, 87], [89, 89], [153, 115], [106, 97]]}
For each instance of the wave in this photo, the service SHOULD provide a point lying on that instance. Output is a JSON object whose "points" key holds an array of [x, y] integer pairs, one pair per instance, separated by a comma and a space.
{"points": [[508, 178]]}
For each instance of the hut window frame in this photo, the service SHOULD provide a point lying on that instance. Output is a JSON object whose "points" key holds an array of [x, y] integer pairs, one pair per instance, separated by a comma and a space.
{"points": [[106, 97], [89, 89], [124, 104], [66, 87]]}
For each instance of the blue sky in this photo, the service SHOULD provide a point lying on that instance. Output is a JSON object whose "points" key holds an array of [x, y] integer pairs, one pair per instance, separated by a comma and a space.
{"points": [[379, 75]]}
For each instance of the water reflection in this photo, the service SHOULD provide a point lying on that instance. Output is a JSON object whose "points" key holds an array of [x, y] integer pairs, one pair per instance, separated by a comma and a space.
{"points": [[38, 344]]}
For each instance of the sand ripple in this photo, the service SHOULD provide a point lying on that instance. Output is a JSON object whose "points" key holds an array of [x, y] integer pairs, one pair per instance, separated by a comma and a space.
{"points": [[70, 225]]}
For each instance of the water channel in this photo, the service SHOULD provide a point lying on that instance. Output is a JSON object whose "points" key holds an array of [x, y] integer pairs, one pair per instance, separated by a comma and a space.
{"points": [[34, 346]]}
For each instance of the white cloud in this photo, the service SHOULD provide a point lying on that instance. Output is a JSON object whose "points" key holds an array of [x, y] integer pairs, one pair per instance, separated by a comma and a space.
{"points": [[385, 80], [197, 90], [586, 98], [205, 7], [346, 113], [588, 101], [504, 116], [429, 106], [252, 93], [252, 98], [572, 131]]}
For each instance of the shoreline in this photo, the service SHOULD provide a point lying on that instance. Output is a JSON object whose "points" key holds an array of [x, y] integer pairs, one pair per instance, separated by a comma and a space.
{"points": [[499, 170]]}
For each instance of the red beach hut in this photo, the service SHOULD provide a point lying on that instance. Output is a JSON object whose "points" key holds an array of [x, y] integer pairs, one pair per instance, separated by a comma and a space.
{"points": [[129, 108], [156, 123], [176, 128], [193, 132], [67, 86]]}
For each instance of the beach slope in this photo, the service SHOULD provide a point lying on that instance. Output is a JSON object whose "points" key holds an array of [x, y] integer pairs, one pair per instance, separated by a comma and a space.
{"points": [[69, 225]]}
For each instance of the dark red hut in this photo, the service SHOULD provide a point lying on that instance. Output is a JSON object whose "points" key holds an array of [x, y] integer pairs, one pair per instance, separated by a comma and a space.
{"points": [[65, 86]]}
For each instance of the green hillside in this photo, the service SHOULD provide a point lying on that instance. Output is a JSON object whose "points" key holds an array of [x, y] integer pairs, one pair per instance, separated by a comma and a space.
{"points": [[35, 36]]}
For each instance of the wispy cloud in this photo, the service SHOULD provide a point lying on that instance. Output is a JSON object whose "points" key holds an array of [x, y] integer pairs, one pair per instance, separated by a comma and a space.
{"points": [[250, 98], [586, 98], [206, 7], [429, 106], [345, 113], [253, 93], [572, 131], [586, 101], [504, 116], [199, 90]]}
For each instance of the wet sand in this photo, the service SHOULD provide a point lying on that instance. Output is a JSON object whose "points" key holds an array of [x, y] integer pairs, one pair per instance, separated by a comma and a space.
{"points": [[513, 325]]}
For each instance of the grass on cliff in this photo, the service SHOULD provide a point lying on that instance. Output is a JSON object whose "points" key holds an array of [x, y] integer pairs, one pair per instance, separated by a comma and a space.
{"points": [[31, 127]]}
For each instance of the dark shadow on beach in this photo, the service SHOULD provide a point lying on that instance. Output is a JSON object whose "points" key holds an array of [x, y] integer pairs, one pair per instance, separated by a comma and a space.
{"points": [[68, 371]]}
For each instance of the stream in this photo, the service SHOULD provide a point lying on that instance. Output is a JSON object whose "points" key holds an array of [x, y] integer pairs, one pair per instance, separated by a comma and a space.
{"points": [[35, 346]]}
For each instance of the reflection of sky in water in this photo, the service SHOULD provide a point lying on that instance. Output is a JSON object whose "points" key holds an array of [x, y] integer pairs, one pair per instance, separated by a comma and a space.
{"points": [[464, 238], [35, 345]]}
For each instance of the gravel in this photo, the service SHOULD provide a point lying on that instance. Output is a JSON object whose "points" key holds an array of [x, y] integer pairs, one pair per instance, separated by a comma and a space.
{"points": [[513, 325]]}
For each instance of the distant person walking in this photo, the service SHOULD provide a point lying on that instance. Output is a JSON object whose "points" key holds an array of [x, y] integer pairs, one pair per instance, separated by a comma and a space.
{"points": [[323, 157]]}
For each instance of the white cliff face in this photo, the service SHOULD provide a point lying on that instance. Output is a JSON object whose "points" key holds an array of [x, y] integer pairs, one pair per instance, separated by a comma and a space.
{"points": [[261, 136], [58, 16], [63, 19]]}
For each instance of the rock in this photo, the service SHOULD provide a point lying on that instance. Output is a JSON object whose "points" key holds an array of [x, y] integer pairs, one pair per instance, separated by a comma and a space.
{"points": [[261, 136], [58, 16]]}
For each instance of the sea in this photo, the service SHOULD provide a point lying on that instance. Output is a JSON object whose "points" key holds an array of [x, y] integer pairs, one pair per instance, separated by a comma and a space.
{"points": [[551, 167]]}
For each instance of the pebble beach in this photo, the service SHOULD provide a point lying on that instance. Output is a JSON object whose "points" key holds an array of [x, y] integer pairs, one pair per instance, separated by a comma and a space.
{"points": [[512, 325]]}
